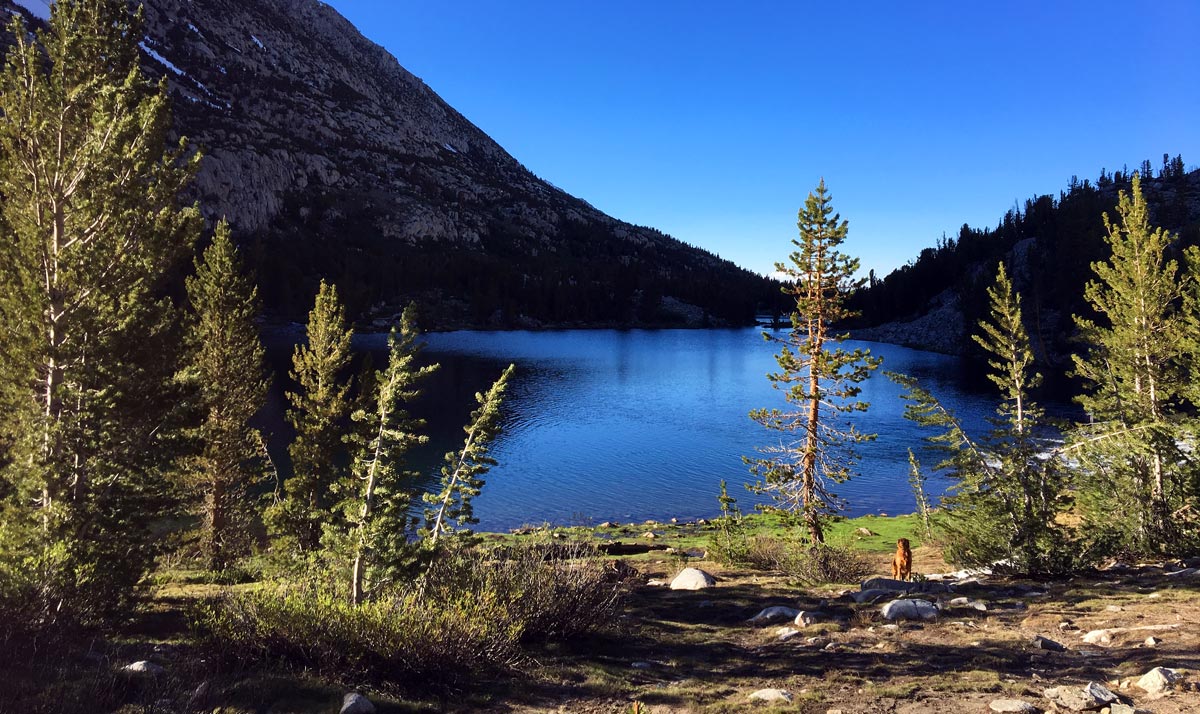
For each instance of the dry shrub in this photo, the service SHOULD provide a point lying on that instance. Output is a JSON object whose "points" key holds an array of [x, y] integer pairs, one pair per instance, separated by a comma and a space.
{"points": [[469, 612], [827, 563]]}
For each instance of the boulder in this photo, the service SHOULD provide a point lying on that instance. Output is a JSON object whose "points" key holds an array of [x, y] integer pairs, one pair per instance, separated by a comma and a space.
{"points": [[865, 532], [1045, 643], [904, 586], [355, 703], [771, 695], [909, 609], [144, 667], [1101, 693], [774, 614], [1072, 699], [692, 579], [1158, 680], [1012, 706], [1185, 573], [870, 596]]}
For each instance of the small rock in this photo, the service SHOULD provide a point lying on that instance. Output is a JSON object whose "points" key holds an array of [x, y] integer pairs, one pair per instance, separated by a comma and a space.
{"points": [[786, 633], [833, 711], [1012, 706], [355, 703], [1044, 643], [608, 524], [1152, 641], [909, 609], [656, 581], [701, 522], [199, 695], [771, 695], [1072, 699], [774, 614], [650, 523], [1158, 680], [650, 535], [1067, 626], [1100, 692], [1119, 708], [144, 667], [805, 618], [1114, 608], [865, 532], [692, 579], [829, 647]]}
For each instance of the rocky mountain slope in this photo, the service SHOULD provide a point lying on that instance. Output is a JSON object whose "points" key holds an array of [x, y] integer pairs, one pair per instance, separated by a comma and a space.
{"points": [[332, 161]]}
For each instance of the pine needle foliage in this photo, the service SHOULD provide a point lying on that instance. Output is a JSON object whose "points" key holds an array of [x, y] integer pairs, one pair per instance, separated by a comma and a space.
{"points": [[379, 492], [462, 476], [227, 367], [93, 231], [1137, 370], [320, 410], [1008, 493], [816, 375]]}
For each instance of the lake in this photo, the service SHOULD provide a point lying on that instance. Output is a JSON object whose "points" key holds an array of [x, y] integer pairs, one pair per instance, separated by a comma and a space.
{"points": [[632, 425]]}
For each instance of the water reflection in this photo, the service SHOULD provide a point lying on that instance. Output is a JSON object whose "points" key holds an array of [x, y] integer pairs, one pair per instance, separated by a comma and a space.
{"points": [[640, 424]]}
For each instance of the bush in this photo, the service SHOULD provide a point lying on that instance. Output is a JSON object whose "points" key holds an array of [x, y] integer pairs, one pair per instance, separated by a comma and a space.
{"points": [[808, 564], [728, 543], [469, 612]]}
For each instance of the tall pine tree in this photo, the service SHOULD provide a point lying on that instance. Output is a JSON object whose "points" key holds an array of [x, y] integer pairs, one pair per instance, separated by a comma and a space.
{"points": [[379, 491], [226, 366], [1136, 371], [462, 476], [816, 375], [92, 230], [1008, 492], [320, 409]]}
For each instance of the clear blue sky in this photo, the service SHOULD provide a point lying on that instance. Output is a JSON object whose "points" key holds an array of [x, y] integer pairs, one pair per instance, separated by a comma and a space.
{"points": [[712, 121]]}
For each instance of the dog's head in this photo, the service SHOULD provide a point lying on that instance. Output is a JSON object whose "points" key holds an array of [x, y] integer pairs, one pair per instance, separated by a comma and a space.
{"points": [[902, 544]]}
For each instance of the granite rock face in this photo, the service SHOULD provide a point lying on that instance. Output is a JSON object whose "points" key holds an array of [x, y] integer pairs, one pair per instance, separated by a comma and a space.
{"points": [[331, 160]]}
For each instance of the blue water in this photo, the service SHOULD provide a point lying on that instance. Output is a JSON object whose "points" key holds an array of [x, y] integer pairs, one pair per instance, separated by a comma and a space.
{"points": [[632, 425]]}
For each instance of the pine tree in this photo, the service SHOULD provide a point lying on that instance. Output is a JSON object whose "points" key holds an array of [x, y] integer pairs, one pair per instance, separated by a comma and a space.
{"points": [[462, 476], [379, 491], [92, 230], [319, 414], [821, 382], [1135, 368], [1007, 495], [226, 365]]}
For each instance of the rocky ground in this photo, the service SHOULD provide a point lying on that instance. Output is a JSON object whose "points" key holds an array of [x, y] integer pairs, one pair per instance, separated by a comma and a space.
{"points": [[749, 640]]}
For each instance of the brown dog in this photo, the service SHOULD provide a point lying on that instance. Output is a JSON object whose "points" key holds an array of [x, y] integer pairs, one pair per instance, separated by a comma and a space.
{"points": [[902, 563]]}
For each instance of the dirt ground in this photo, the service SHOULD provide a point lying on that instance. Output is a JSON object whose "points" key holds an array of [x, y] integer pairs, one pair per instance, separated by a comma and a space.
{"points": [[693, 651]]}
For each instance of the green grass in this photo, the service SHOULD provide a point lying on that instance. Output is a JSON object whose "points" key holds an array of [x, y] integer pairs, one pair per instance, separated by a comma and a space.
{"points": [[694, 537]]}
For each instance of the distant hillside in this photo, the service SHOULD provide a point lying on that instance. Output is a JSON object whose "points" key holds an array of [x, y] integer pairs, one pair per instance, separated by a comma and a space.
{"points": [[332, 161], [1049, 245]]}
